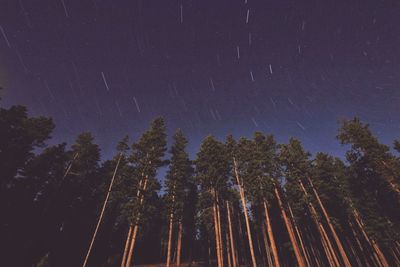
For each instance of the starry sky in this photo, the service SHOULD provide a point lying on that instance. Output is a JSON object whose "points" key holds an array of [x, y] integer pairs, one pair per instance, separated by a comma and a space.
{"points": [[287, 67]]}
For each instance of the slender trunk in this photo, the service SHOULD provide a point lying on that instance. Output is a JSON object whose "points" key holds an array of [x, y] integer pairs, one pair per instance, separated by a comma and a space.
{"points": [[127, 244], [234, 255], [299, 237], [271, 235], [378, 252], [135, 228], [268, 253], [171, 218], [289, 227], [335, 236], [179, 246], [228, 252], [217, 243], [328, 246], [365, 254], [221, 251], [129, 237], [243, 255], [102, 212], [242, 197]]}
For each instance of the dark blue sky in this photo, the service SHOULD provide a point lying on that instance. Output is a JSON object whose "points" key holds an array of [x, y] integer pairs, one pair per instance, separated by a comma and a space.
{"points": [[290, 68]]}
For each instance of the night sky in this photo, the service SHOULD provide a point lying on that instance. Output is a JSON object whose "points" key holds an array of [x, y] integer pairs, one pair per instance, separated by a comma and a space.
{"points": [[290, 68]]}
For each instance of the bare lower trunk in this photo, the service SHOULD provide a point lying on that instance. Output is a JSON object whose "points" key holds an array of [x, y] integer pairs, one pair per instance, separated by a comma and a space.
{"points": [[221, 251], [271, 235], [136, 226], [328, 246], [217, 243], [289, 227], [268, 253], [228, 252], [243, 200], [234, 256], [335, 236], [375, 247], [171, 218], [102, 212], [127, 244], [179, 246], [299, 237]]}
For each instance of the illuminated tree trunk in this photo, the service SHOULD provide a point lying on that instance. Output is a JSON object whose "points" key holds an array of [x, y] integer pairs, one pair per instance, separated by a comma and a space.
{"points": [[135, 228], [268, 253], [289, 227], [299, 237], [243, 200], [232, 243], [381, 257], [326, 242], [271, 235], [335, 236], [102, 212], [171, 223], [217, 241], [221, 252], [228, 252], [179, 246]]}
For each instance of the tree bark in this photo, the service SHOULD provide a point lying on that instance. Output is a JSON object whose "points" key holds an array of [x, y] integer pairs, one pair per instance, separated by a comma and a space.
{"points": [[303, 249], [234, 256], [135, 228], [102, 212], [289, 227], [179, 245], [328, 246], [335, 236], [171, 218], [242, 197], [221, 251], [271, 235], [268, 253], [217, 243]]}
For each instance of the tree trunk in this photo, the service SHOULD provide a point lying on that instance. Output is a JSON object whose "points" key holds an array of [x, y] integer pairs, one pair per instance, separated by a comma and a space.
{"points": [[335, 236], [242, 197], [102, 212], [268, 253], [381, 257], [234, 255], [328, 246], [271, 235], [289, 227], [135, 228], [221, 251], [228, 252], [171, 218], [303, 249], [128, 239], [179, 246], [217, 243]]}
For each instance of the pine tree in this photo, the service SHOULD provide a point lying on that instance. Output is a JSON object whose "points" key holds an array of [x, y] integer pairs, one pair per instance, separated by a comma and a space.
{"points": [[147, 157], [212, 171], [178, 181]]}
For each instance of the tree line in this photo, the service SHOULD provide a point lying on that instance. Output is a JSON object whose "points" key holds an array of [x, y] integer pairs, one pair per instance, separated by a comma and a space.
{"points": [[246, 201]]}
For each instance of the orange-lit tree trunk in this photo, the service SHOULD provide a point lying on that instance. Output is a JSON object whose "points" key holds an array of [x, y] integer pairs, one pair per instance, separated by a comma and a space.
{"points": [[267, 250], [243, 200], [179, 245], [271, 235], [289, 227], [373, 244], [221, 251], [328, 220], [232, 243], [171, 223], [303, 249], [136, 227], [217, 241], [325, 239], [129, 236], [228, 250], [102, 211]]}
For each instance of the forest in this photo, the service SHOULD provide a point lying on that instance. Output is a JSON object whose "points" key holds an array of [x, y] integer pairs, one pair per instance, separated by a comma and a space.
{"points": [[239, 202]]}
